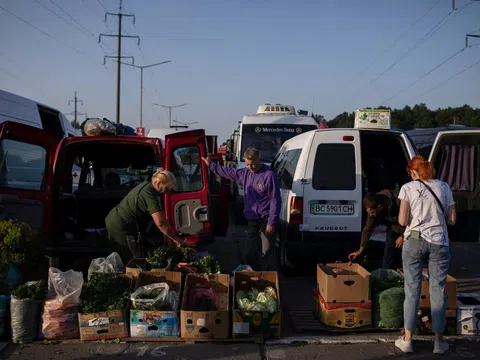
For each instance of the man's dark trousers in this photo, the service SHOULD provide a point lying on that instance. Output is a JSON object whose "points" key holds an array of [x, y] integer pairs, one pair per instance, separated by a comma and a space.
{"points": [[260, 247]]}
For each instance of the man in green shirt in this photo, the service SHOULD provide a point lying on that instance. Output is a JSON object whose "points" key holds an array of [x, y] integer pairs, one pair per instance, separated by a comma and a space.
{"points": [[382, 209], [143, 203]]}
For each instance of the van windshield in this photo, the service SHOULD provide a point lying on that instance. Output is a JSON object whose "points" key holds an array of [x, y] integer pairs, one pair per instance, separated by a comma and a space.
{"points": [[269, 138]]}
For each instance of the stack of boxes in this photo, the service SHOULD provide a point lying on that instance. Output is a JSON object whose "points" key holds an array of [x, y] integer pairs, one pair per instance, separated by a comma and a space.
{"points": [[342, 296], [424, 320]]}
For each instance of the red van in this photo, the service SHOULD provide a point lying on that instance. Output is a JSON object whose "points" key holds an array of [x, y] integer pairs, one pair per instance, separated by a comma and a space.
{"points": [[36, 185]]}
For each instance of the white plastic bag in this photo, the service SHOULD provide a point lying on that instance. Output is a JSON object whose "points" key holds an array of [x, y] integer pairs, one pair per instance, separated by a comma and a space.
{"points": [[160, 302], [97, 127], [64, 285], [112, 264], [60, 312]]}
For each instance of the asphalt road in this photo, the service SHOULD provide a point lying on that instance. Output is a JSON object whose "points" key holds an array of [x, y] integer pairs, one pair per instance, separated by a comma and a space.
{"points": [[377, 351]]}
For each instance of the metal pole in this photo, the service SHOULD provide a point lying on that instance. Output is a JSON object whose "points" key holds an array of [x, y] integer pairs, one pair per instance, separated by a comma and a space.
{"points": [[170, 117], [141, 96], [119, 65]]}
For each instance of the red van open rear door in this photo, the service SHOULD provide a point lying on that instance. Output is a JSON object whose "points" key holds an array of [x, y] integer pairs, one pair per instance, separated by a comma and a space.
{"points": [[188, 207], [26, 174]]}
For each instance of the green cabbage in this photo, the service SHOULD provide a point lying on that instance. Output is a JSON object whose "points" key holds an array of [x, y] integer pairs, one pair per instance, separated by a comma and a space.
{"points": [[241, 295], [270, 291], [252, 294]]}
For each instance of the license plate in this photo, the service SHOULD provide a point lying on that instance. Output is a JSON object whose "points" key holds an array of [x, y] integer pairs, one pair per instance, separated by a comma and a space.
{"points": [[332, 209]]}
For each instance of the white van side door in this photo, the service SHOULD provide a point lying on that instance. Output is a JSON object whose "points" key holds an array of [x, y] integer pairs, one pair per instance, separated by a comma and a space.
{"points": [[333, 183]]}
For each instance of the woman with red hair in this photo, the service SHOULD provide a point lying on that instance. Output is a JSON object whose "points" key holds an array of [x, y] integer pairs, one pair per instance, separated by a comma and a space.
{"points": [[426, 208]]}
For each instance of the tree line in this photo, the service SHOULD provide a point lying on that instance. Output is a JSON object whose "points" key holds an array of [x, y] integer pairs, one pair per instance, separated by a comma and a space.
{"points": [[418, 116]]}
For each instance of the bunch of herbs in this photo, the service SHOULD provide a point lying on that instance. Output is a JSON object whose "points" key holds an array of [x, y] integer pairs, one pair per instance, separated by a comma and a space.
{"points": [[105, 292], [36, 291]]}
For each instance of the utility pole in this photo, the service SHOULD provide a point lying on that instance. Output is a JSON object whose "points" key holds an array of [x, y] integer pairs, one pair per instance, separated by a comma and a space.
{"points": [[472, 36], [75, 123], [119, 56], [75, 102], [170, 112], [141, 83]]}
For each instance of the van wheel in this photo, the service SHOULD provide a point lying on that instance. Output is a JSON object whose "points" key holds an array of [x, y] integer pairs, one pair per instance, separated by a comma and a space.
{"points": [[286, 266]]}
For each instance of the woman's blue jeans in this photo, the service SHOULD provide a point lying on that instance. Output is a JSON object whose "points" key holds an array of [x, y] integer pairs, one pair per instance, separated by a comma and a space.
{"points": [[417, 255]]}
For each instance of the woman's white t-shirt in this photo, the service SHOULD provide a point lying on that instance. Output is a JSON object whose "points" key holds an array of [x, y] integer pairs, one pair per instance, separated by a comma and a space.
{"points": [[425, 213]]}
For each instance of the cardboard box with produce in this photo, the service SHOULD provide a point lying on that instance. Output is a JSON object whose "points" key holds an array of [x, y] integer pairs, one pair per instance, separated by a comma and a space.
{"points": [[104, 307], [155, 305], [205, 307], [257, 310]]}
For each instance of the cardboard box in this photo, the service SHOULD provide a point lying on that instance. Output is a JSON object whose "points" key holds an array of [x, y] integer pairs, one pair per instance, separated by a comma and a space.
{"points": [[157, 323], [451, 288], [342, 315], [468, 314], [351, 285], [256, 323], [424, 322], [136, 266], [372, 119], [103, 325], [106, 324], [206, 324]]}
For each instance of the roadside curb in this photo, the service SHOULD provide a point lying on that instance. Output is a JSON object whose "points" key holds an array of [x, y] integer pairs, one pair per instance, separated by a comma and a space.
{"points": [[358, 339]]}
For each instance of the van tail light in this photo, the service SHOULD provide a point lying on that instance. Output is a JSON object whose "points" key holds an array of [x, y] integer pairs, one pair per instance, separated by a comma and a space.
{"points": [[296, 210], [348, 138]]}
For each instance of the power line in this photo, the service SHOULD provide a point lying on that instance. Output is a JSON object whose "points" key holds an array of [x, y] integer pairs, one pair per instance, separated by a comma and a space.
{"points": [[43, 32], [422, 77], [75, 102], [397, 40], [422, 40], [451, 77], [71, 17]]}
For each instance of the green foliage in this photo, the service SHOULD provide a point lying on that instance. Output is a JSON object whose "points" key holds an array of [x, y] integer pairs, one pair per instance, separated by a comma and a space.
{"points": [[160, 256], [151, 295], [418, 116], [105, 292], [208, 265], [18, 244], [37, 291]]}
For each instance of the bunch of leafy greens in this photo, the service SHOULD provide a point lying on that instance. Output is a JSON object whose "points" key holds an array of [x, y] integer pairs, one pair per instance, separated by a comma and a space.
{"points": [[208, 265], [105, 292], [36, 291], [151, 295], [159, 257], [18, 243]]}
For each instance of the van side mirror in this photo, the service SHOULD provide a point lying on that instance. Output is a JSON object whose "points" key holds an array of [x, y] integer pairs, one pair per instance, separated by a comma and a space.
{"points": [[229, 146]]}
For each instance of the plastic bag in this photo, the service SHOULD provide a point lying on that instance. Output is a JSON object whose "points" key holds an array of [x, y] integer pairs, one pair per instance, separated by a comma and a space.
{"points": [[202, 299], [25, 321], [60, 312], [4, 306], [97, 127], [112, 264], [388, 297], [389, 310], [239, 268], [159, 302]]}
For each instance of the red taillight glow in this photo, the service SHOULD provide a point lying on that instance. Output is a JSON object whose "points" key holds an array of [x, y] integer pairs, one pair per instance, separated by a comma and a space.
{"points": [[296, 210], [348, 138]]}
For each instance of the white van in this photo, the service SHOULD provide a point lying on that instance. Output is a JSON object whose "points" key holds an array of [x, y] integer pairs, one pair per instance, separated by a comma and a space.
{"points": [[324, 175], [29, 112]]}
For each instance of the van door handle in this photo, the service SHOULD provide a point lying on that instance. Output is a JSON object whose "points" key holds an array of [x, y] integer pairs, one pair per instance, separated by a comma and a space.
{"points": [[199, 211]]}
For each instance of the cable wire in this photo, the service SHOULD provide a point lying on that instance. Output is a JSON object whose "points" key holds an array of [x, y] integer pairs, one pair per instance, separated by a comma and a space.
{"points": [[71, 17], [422, 77], [397, 40], [43, 32], [451, 78]]}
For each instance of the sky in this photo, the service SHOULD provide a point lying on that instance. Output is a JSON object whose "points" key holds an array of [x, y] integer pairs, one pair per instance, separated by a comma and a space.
{"points": [[227, 57]]}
